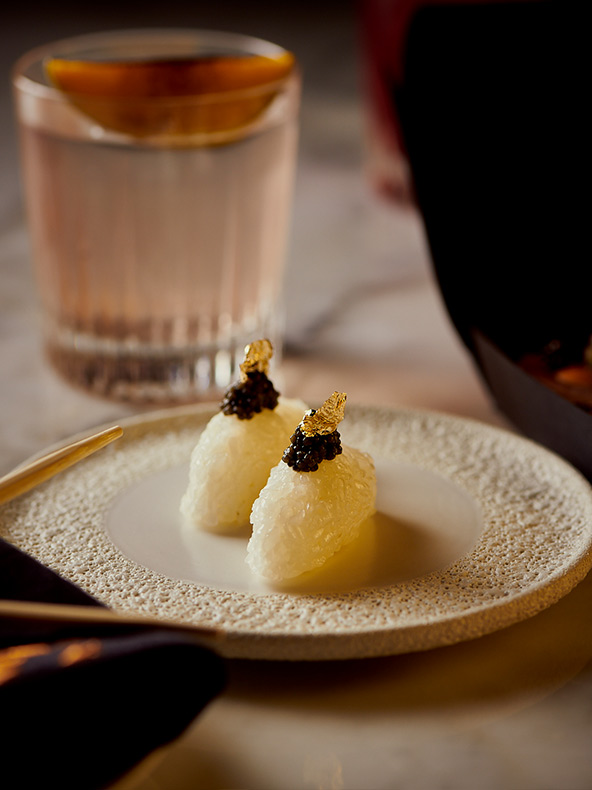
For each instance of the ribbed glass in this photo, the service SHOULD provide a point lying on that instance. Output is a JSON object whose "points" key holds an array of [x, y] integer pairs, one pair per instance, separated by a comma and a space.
{"points": [[157, 261]]}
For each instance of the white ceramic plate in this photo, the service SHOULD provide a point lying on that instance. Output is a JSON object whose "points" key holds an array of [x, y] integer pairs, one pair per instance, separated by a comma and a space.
{"points": [[476, 529]]}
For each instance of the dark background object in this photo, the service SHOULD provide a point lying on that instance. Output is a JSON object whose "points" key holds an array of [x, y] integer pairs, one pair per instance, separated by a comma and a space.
{"points": [[491, 107]]}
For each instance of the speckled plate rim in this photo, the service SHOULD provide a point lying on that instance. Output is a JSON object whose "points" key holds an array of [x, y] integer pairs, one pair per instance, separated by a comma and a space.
{"points": [[536, 543]]}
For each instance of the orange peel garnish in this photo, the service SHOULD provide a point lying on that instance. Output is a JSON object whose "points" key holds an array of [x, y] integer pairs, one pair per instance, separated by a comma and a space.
{"points": [[186, 96]]}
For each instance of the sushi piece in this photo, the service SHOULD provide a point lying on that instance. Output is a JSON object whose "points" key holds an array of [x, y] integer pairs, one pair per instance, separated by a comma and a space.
{"points": [[231, 461], [315, 500]]}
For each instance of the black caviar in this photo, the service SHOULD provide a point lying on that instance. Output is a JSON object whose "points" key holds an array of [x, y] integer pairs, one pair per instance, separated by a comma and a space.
{"points": [[250, 396], [305, 453]]}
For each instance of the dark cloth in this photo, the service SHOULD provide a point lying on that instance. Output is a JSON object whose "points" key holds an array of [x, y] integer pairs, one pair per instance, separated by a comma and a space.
{"points": [[82, 703], [23, 578]]}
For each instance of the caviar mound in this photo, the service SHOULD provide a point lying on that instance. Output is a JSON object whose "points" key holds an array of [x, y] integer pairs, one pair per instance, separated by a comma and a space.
{"points": [[158, 97], [305, 453], [301, 519], [231, 462], [250, 396]]}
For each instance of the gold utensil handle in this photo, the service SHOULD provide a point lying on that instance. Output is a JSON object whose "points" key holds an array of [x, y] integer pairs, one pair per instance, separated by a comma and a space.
{"points": [[26, 477], [72, 613]]}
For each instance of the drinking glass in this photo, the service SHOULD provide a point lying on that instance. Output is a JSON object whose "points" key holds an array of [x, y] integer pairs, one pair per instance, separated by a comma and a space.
{"points": [[158, 217]]}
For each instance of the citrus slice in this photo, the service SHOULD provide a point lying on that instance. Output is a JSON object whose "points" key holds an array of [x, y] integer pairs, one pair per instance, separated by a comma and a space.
{"points": [[173, 97]]}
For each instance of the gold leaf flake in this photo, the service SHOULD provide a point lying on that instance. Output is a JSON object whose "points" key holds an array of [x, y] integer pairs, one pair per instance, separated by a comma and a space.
{"points": [[325, 419], [257, 356]]}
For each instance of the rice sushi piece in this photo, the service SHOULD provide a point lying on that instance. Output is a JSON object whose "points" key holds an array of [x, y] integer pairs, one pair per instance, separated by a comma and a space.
{"points": [[315, 500], [239, 446]]}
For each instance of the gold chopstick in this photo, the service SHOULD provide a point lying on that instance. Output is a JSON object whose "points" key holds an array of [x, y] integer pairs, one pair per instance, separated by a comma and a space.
{"points": [[73, 613], [26, 477]]}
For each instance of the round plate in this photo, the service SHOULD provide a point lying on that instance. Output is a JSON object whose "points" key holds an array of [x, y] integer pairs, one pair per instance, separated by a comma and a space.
{"points": [[476, 528]]}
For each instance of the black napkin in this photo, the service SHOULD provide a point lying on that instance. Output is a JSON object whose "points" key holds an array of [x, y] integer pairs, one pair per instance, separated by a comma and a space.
{"points": [[82, 703], [22, 578]]}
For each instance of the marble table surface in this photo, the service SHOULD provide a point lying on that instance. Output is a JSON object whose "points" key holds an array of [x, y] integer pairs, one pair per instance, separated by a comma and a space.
{"points": [[509, 710]]}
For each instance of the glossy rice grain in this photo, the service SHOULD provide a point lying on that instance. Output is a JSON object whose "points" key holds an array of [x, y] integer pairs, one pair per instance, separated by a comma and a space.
{"points": [[231, 462], [300, 519]]}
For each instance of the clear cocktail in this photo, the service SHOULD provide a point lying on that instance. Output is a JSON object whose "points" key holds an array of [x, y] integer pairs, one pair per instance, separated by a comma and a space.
{"points": [[158, 223]]}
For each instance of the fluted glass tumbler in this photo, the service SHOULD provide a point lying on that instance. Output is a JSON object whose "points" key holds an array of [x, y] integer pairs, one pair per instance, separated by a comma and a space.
{"points": [[158, 172]]}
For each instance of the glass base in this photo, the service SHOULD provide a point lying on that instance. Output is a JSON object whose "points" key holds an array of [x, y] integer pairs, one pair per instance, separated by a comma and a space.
{"points": [[163, 377]]}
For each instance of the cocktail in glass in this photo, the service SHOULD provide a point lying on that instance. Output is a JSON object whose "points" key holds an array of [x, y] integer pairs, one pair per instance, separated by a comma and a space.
{"points": [[158, 204]]}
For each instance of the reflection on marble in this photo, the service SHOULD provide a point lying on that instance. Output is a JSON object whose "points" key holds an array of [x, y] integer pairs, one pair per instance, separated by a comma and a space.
{"points": [[498, 712]]}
